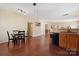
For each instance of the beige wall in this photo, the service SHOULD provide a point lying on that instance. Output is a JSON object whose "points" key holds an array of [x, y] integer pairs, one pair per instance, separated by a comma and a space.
{"points": [[11, 21]]}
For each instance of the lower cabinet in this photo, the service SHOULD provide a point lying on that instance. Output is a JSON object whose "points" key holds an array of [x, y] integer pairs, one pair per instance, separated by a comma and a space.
{"points": [[62, 42]]}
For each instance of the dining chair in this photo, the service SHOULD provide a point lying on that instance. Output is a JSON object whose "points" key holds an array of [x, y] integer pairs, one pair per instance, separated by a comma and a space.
{"points": [[9, 38], [21, 35]]}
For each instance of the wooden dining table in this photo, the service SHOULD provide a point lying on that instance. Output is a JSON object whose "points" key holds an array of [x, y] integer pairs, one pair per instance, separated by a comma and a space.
{"points": [[16, 35]]}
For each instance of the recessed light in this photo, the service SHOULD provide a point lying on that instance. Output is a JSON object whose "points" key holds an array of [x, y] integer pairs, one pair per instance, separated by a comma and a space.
{"points": [[65, 14]]}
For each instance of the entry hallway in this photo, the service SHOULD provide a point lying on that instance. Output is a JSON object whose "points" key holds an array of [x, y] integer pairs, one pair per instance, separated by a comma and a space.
{"points": [[34, 46]]}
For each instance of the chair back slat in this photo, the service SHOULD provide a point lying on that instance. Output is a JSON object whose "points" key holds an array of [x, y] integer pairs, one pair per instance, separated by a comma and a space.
{"points": [[21, 32], [8, 35]]}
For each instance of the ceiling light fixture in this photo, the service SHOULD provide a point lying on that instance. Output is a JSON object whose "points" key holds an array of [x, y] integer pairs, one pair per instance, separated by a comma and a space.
{"points": [[35, 11], [21, 11], [34, 4], [65, 14]]}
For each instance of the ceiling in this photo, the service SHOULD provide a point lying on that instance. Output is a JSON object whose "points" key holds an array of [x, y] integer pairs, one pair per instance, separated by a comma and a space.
{"points": [[46, 11]]}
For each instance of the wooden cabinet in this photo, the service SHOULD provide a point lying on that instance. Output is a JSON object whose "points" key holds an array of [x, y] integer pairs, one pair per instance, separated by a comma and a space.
{"points": [[62, 42], [69, 40]]}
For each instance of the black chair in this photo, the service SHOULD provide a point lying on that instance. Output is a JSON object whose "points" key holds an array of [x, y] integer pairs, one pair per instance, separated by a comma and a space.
{"points": [[9, 38], [21, 35]]}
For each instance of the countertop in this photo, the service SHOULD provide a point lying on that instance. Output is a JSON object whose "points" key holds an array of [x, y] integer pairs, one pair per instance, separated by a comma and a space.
{"points": [[76, 33]]}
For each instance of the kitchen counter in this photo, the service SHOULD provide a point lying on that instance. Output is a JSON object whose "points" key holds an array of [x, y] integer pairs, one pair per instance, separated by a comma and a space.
{"points": [[72, 30], [69, 40], [76, 33]]}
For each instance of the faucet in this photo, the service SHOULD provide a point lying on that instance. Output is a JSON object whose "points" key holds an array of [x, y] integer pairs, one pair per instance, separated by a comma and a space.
{"points": [[69, 28]]}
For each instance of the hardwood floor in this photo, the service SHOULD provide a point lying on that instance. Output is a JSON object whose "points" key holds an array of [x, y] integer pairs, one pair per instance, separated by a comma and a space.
{"points": [[34, 46]]}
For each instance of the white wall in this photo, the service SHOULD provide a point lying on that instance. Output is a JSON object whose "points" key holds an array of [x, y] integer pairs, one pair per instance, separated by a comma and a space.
{"points": [[38, 30], [11, 21]]}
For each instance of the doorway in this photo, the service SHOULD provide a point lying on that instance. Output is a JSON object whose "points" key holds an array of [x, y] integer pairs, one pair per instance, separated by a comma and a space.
{"points": [[29, 26], [46, 29]]}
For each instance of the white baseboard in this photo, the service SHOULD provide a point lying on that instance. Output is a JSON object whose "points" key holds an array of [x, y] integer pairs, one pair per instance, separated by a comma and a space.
{"points": [[3, 41], [37, 35]]}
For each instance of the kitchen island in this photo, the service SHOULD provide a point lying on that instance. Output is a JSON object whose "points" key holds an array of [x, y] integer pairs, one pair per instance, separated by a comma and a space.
{"points": [[69, 40]]}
